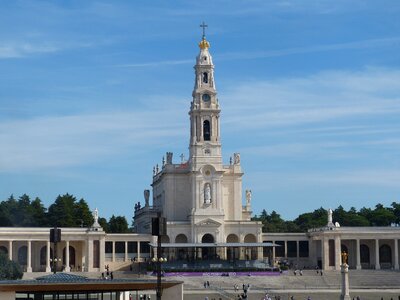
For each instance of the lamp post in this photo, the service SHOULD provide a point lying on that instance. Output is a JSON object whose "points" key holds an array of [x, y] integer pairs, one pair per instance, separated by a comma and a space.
{"points": [[54, 263], [159, 228], [55, 237], [158, 261]]}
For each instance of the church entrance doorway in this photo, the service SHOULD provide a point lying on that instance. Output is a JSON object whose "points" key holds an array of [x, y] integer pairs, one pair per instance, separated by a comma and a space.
{"points": [[207, 252], [232, 253]]}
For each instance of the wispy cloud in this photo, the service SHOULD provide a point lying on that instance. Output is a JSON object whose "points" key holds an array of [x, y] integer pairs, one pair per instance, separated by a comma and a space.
{"points": [[315, 99], [51, 142], [16, 50], [245, 55], [322, 149], [388, 178], [362, 44], [157, 63], [20, 49]]}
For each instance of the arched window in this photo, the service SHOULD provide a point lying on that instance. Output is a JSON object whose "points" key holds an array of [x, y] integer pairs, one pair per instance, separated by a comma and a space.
{"points": [[232, 252], [22, 255], [385, 254], [364, 254], [250, 252], [3, 250], [71, 256], [205, 77], [206, 130], [208, 252], [181, 238], [43, 256]]}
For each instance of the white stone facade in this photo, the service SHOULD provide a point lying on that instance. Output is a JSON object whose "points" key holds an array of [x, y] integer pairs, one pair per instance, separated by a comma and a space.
{"points": [[201, 196]]}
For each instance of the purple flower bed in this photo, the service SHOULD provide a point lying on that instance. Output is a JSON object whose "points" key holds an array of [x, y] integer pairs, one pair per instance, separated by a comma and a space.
{"points": [[227, 274]]}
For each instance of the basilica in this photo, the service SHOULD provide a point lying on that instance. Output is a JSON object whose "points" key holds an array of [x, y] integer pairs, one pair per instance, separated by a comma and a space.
{"points": [[208, 216]]}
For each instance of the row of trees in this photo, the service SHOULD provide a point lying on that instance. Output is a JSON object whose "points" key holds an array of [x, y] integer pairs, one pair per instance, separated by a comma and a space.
{"points": [[379, 216], [66, 211]]}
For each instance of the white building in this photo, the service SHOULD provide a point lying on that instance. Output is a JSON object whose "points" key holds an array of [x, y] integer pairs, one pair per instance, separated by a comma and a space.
{"points": [[201, 198]]}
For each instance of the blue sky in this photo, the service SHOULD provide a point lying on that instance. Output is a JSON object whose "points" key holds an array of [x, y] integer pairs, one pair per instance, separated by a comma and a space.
{"points": [[93, 93]]}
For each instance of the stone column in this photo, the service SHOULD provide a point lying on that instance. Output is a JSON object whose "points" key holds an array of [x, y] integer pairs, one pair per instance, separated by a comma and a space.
{"points": [[260, 253], [126, 251], [102, 246], [311, 252], [48, 267], [325, 253], [285, 245], [377, 264], [113, 251], [29, 266], [138, 250], [338, 258], [67, 267], [396, 254], [297, 251], [89, 256], [345, 293], [10, 250], [273, 254], [358, 255]]}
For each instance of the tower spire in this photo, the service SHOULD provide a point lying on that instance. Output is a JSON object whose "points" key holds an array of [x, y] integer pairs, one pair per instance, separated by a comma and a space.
{"points": [[204, 25], [205, 143], [204, 44]]}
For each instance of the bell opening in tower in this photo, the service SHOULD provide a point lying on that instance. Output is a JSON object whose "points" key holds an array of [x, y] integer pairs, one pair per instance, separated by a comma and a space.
{"points": [[205, 77], [206, 130]]}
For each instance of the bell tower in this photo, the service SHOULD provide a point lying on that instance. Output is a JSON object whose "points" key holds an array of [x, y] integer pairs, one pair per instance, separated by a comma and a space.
{"points": [[205, 143]]}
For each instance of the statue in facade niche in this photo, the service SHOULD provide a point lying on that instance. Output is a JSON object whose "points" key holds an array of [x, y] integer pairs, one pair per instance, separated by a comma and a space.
{"points": [[207, 193], [146, 197]]}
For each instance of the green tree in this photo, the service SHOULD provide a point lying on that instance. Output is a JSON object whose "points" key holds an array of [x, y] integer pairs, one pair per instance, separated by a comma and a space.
{"points": [[382, 216], [11, 210], [104, 224], [62, 212], [83, 215], [9, 270], [317, 218], [5, 220], [274, 223], [39, 213], [24, 214], [349, 218], [396, 211], [118, 224]]}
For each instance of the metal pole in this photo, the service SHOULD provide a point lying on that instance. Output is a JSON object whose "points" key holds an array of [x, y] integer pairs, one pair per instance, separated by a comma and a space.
{"points": [[54, 258], [159, 290]]}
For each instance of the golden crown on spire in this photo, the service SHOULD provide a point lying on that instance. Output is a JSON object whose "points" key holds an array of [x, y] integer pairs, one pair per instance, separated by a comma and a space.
{"points": [[204, 44]]}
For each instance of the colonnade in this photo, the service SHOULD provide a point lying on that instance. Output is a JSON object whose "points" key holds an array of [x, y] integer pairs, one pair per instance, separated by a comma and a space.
{"points": [[138, 254], [339, 243], [34, 260], [296, 258]]}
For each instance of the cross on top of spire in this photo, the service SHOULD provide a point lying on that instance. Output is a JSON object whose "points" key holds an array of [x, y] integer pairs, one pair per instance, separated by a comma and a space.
{"points": [[204, 25]]}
